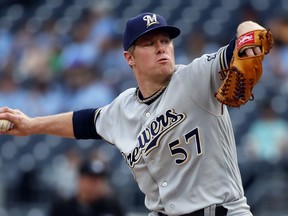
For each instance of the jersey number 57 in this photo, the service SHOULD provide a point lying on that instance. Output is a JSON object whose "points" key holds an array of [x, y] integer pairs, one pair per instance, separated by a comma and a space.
{"points": [[179, 152]]}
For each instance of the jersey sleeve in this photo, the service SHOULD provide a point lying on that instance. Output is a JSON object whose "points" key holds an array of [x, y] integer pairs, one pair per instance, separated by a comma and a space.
{"points": [[110, 121], [204, 75]]}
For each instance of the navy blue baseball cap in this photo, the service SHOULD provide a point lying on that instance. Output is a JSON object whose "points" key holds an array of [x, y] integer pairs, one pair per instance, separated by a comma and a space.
{"points": [[94, 168], [144, 23]]}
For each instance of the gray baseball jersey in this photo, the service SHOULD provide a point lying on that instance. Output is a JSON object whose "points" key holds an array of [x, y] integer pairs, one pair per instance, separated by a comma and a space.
{"points": [[180, 148]]}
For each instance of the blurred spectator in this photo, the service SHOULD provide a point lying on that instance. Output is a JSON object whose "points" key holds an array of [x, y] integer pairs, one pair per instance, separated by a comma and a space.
{"points": [[85, 88], [248, 12], [103, 24], [79, 49], [5, 46], [35, 95], [262, 160], [197, 44], [34, 62], [27, 190], [50, 40], [276, 64], [10, 92], [40, 91], [94, 196], [267, 136], [105, 38], [22, 39], [279, 27], [63, 176], [112, 62]]}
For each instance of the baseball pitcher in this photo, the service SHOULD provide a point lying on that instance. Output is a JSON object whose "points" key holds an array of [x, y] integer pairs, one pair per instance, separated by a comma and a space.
{"points": [[174, 129]]}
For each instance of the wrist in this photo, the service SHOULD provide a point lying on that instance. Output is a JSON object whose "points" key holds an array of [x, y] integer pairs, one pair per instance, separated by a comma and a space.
{"points": [[248, 26]]}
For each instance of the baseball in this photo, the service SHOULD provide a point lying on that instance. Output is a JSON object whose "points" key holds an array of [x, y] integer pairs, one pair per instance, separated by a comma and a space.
{"points": [[5, 125]]}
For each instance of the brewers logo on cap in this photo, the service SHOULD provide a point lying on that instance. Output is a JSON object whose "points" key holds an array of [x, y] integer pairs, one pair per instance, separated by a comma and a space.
{"points": [[150, 19]]}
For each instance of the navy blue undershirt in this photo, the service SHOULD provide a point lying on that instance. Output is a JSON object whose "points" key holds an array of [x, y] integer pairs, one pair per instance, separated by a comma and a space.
{"points": [[83, 124], [230, 49]]}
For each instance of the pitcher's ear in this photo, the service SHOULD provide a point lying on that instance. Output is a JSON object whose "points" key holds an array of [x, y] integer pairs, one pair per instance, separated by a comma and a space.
{"points": [[129, 58]]}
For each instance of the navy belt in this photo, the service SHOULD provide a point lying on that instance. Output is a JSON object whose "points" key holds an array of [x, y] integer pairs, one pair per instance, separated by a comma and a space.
{"points": [[219, 211]]}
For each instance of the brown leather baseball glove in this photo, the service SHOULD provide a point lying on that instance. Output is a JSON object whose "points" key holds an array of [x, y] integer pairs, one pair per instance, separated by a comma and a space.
{"points": [[244, 72]]}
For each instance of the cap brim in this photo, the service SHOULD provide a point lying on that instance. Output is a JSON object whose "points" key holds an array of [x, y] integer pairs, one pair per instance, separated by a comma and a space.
{"points": [[171, 30]]}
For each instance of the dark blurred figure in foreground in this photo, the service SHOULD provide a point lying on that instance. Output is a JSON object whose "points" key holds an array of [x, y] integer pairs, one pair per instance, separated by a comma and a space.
{"points": [[264, 164], [94, 196]]}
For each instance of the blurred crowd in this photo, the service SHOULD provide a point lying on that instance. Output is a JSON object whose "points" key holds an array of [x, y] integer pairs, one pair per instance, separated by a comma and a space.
{"points": [[57, 66], [45, 72]]}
